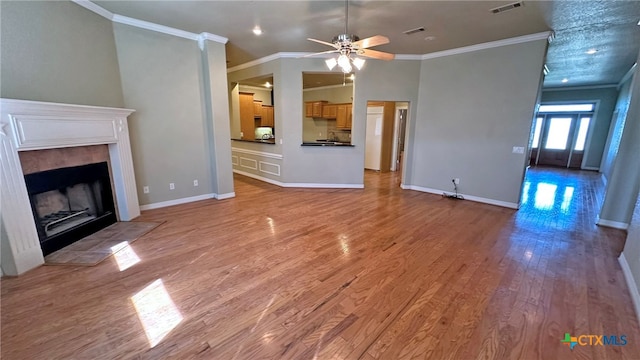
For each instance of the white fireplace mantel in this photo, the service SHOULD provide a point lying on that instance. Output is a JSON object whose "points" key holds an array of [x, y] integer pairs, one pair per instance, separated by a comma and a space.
{"points": [[32, 125]]}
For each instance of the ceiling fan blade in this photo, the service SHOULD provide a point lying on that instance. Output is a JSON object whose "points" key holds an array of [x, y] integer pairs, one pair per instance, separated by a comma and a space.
{"points": [[322, 42], [320, 53], [371, 41], [376, 54]]}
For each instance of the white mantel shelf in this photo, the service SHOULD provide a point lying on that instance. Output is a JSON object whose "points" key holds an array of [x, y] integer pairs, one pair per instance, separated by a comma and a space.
{"points": [[33, 125]]}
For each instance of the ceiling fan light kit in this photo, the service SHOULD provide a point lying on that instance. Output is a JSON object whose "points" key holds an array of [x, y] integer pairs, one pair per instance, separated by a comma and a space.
{"points": [[347, 46]]}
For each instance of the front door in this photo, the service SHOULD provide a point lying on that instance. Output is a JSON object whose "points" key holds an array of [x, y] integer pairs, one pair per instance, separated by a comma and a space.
{"points": [[559, 140], [556, 141]]}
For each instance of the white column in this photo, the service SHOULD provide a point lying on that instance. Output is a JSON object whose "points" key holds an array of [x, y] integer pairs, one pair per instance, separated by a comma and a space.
{"points": [[21, 250]]}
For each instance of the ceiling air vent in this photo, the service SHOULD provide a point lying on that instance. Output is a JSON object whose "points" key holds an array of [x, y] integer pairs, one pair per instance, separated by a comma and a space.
{"points": [[413, 31], [507, 7]]}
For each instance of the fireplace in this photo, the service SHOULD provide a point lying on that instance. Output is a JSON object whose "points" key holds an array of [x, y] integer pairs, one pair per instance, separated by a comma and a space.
{"points": [[70, 203], [26, 126]]}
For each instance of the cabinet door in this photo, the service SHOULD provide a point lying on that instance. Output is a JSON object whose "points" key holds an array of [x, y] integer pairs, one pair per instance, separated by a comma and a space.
{"points": [[308, 109], [257, 108], [349, 116], [341, 116], [267, 116], [329, 111], [317, 109], [247, 122]]}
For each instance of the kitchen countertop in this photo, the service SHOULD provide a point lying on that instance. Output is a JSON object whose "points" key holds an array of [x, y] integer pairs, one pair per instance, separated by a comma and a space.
{"points": [[270, 141], [327, 144]]}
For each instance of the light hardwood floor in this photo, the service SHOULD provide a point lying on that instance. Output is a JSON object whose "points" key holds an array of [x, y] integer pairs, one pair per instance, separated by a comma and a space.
{"points": [[379, 273]]}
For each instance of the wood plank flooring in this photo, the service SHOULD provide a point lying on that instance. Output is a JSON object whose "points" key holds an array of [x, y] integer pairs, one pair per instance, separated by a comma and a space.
{"points": [[379, 273]]}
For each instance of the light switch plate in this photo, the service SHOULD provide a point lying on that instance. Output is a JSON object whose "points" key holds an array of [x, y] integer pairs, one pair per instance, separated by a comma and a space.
{"points": [[518, 149]]}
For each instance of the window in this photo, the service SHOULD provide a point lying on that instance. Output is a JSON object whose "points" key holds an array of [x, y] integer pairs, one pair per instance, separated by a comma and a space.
{"points": [[566, 108], [558, 133], [582, 133]]}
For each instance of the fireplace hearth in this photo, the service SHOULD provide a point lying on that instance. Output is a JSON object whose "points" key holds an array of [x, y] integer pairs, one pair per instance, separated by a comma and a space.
{"points": [[70, 203]]}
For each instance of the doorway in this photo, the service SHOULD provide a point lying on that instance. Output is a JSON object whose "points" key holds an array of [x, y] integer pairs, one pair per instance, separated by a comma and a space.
{"points": [[560, 135], [385, 135]]}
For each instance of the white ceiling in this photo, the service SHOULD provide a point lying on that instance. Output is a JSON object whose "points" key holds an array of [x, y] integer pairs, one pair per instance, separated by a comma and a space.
{"points": [[609, 26]]}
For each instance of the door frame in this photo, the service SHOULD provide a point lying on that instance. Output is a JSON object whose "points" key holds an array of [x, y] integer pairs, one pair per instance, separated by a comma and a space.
{"points": [[400, 105]]}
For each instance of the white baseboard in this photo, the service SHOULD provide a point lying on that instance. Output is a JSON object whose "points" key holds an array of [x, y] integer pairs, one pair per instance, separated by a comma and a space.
{"points": [[612, 224], [604, 179], [631, 284], [258, 177], [225, 196], [466, 197], [177, 201], [591, 168], [300, 185]]}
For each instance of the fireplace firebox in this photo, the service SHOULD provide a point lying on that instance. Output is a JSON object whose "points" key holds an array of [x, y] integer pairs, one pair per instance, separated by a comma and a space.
{"points": [[70, 203]]}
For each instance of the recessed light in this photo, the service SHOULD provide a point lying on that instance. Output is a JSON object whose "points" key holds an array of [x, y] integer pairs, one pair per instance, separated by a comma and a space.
{"points": [[565, 80], [430, 38], [257, 30], [268, 85], [592, 51], [639, 23], [352, 77]]}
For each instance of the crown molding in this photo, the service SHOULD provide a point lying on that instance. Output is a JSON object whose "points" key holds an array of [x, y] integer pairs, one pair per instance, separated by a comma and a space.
{"points": [[266, 59], [627, 75], [95, 8], [516, 40], [408, 57], [154, 27], [576, 88], [488, 45], [328, 87], [200, 38], [213, 37]]}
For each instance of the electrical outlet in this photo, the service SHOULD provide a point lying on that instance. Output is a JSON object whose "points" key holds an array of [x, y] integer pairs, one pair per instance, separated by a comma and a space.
{"points": [[241, 134], [195, 182], [172, 186], [320, 135], [280, 141], [456, 181], [145, 189]]}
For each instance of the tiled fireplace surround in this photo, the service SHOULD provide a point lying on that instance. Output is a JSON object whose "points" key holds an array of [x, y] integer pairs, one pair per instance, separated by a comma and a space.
{"points": [[72, 130]]}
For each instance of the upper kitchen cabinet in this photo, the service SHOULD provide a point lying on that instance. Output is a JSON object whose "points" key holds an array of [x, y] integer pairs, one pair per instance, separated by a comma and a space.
{"points": [[252, 111]]}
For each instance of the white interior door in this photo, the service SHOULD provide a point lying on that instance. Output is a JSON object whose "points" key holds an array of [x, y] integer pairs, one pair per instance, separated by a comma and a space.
{"points": [[373, 138]]}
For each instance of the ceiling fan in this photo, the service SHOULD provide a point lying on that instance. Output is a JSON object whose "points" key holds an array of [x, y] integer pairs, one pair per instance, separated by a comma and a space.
{"points": [[349, 46]]}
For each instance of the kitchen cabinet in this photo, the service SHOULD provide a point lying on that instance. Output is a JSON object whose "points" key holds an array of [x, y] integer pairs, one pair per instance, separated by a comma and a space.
{"points": [[343, 116], [266, 118], [308, 109], [317, 108], [247, 117], [257, 108], [329, 111], [314, 108]]}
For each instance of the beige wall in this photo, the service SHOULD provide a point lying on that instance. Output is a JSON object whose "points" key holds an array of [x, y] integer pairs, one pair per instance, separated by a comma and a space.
{"points": [[473, 109], [161, 80], [57, 51]]}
